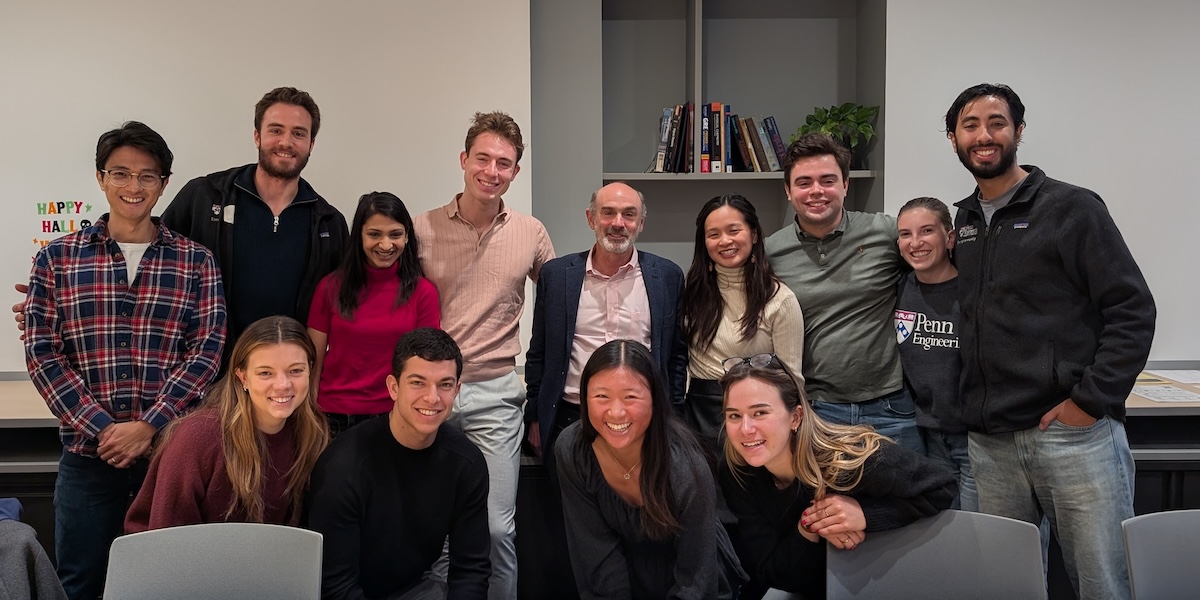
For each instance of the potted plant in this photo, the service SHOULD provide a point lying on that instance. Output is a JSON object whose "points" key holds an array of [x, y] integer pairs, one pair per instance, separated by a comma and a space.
{"points": [[849, 122]]}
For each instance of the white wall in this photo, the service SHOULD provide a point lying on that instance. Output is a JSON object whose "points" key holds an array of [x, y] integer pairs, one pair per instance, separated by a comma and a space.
{"points": [[397, 83], [1110, 90]]}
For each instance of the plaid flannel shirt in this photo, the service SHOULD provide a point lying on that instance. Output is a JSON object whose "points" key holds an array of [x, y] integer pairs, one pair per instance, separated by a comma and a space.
{"points": [[102, 351]]}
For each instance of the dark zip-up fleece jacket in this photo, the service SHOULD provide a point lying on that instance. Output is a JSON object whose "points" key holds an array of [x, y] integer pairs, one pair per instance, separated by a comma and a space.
{"points": [[1053, 307], [197, 212]]}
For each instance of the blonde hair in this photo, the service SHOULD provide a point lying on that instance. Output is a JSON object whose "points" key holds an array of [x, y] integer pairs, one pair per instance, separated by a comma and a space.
{"points": [[825, 456], [244, 444]]}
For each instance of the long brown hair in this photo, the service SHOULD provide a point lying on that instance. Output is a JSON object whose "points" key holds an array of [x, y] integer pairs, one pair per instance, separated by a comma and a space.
{"points": [[244, 444], [825, 456]]}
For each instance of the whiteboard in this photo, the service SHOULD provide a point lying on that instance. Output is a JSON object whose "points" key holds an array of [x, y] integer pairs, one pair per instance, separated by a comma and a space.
{"points": [[396, 82]]}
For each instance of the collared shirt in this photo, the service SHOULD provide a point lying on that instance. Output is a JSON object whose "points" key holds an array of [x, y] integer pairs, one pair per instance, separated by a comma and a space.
{"points": [[846, 285], [102, 349], [614, 307], [480, 277]]}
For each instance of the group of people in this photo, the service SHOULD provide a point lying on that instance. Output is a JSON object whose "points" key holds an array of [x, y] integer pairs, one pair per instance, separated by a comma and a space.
{"points": [[709, 434]]}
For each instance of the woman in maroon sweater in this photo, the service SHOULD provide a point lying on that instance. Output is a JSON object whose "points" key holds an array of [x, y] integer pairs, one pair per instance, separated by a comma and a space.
{"points": [[247, 454], [359, 312]]}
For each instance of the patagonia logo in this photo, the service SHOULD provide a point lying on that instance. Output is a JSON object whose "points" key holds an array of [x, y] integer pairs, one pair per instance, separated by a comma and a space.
{"points": [[324, 234], [1024, 225]]}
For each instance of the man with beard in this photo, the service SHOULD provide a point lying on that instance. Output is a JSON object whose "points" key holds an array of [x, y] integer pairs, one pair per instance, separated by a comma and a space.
{"points": [[1057, 322], [587, 299], [843, 266], [584, 300], [273, 236]]}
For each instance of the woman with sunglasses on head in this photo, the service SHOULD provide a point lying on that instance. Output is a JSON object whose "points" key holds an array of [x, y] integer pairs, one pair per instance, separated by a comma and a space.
{"points": [[797, 482], [638, 494], [733, 306], [928, 295], [247, 454], [361, 309]]}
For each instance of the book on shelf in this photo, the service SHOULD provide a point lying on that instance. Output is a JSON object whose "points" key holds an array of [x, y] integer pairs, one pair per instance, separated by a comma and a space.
{"points": [[673, 139], [747, 125], [737, 159], [683, 149], [718, 134], [664, 130], [764, 143], [726, 144], [705, 138], [776, 139]]}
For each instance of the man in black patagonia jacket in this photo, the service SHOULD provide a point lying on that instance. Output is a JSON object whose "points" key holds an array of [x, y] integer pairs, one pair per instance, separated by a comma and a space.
{"points": [[273, 236], [1057, 322]]}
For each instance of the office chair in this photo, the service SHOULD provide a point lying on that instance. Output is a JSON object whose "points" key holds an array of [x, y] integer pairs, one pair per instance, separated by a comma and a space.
{"points": [[1161, 550], [225, 561], [952, 555]]}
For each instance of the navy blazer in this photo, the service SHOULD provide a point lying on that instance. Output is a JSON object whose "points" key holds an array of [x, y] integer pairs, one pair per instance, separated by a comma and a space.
{"points": [[555, 310]]}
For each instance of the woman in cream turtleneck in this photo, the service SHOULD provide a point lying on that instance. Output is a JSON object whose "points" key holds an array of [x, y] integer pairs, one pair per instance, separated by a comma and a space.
{"points": [[733, 308]]}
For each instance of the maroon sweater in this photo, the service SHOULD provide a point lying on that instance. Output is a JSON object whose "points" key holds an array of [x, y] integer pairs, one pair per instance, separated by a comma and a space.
{"points": [[187, 483]]}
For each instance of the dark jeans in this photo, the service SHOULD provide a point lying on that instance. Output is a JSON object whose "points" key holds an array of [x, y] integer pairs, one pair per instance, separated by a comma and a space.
{"points": [[339, 423], [893, 415], [90, 500]]}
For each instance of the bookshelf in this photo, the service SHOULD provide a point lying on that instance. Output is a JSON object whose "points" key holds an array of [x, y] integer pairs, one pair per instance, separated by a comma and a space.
{"points": [[765, 58]]}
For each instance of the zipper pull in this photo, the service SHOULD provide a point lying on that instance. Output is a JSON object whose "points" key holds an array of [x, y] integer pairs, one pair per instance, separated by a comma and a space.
{"points": [[275, 227]]}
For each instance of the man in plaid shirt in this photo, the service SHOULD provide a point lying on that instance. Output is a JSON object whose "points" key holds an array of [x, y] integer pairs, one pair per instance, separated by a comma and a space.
{"points": [[125, 323]]}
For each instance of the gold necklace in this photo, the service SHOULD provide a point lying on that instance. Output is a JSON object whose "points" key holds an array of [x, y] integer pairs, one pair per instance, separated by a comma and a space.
{"points": [[626, 475]]}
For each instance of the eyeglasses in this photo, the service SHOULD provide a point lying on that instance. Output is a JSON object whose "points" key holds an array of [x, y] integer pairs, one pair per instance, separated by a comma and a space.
{"points": [[121, 178], [758, 361]]}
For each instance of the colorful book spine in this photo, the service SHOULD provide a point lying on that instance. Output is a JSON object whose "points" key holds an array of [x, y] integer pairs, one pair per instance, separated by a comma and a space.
{"points": [[705, 137], [767, 149], [776, 139], [718, 133], [727, 145], [745, 125]]}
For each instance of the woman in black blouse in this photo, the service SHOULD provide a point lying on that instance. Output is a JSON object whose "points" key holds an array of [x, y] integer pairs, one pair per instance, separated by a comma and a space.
{"points": [[638, 494], [797, 483]]}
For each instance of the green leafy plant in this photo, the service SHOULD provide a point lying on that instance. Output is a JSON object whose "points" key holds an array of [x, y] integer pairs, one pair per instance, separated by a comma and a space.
{"points": [[849, 123]]}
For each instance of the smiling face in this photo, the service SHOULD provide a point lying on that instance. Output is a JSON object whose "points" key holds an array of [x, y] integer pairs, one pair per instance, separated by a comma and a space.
{"points": [[276, 379], [759, 426], [130, 205], [728, 238], [616, 217], [817, 191], [619, 406], [488, 168], [383, 239], [924, 242], [985, 137], [423, 395], [285, 141]]}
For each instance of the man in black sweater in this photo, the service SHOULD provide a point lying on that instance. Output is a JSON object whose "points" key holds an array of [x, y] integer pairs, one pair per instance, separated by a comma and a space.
{"points": [[387, 493], [1057, 322]]}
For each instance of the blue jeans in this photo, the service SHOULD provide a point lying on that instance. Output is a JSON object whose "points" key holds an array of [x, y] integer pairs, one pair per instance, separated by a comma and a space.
{"points": [[1080, 478], [950, 451], [90, 499], [893, 415]]}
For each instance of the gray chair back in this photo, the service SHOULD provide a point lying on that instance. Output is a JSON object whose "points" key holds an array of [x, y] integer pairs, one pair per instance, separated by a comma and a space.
{"points": [[955, 554], [1163, 552], [226, 561]]}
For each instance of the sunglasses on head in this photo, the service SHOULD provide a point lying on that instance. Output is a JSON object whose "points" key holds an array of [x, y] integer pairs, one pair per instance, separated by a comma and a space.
{"points": [[758, 361]]}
